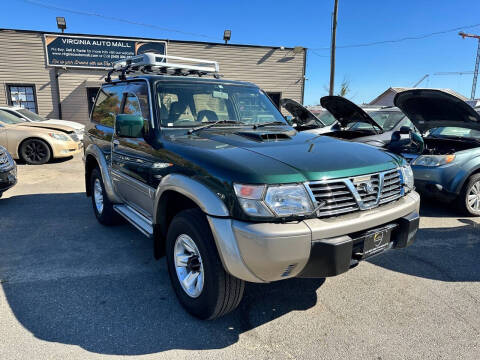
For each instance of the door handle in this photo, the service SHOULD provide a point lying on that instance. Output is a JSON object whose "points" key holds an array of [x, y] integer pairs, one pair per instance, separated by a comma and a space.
{"points": [[116, 143]]}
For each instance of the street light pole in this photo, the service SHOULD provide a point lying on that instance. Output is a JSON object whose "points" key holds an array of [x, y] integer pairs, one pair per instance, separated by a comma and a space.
{"points": [[332, 55]]}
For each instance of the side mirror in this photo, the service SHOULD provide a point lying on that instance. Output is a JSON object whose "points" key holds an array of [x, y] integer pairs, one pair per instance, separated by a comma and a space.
{"points": [[130, 126]]}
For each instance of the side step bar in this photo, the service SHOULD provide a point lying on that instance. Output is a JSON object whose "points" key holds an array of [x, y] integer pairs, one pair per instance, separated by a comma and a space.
{"points": [[136, 219]]}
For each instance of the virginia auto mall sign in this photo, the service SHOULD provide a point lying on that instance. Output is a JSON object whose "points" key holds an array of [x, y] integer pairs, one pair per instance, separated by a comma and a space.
{"points": [[95, 52]]}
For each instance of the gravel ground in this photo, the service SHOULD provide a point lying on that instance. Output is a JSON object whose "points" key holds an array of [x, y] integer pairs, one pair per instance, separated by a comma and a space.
{"points": [[71, 288]]}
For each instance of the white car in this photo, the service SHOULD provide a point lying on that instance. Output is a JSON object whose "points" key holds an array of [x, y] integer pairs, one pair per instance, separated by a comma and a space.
{"points": [[32, 117]]}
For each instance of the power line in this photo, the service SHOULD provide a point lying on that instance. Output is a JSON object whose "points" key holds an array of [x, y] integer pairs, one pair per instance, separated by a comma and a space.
{"points": [[86, 13], [413, 37]]}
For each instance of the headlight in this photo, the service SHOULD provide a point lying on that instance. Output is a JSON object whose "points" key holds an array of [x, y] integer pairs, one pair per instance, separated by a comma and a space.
{"points": [[408, 180], [278, 200], [433, 160], [61, 137]]}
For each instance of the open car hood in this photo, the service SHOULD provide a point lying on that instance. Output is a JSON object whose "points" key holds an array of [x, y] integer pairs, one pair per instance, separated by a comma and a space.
{"points": [[346, 112], [429, 109], [300, 112]]}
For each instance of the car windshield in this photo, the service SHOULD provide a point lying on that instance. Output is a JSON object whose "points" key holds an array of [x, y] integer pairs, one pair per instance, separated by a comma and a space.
{"points": [[326, 118], [191, 105], [7, 118], [31, 115], [388, 120], [454, 132]]}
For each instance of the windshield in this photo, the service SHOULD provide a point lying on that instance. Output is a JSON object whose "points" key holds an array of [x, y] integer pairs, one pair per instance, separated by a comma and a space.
{"points": [[31, 115], [190, 105], [388, 120], [454, 132], [7, 118], [326, 118]]}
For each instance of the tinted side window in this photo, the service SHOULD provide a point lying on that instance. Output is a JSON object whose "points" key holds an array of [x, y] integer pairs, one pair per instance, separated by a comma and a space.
{"points": [[138, 98], [108, 104]]}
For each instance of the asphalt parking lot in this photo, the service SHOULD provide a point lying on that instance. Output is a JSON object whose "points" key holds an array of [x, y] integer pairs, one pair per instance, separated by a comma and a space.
{"points": [[71, 288]]}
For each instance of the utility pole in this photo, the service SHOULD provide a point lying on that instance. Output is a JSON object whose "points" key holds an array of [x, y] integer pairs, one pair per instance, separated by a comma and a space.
{"points": [[477, 62], [332, 56]]}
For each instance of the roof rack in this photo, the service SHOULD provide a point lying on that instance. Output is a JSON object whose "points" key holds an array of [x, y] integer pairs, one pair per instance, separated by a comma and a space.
{"points": [[163, 65]]}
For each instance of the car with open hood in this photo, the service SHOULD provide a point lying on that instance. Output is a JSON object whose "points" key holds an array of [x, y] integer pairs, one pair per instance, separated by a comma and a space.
{"points": [[449, 166], [36, 142], [30, 116], [8, 171], [228, 191], [385, 127]]}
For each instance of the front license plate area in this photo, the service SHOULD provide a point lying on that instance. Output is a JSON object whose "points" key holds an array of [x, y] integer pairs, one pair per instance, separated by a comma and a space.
{"points": [[376, 241]]}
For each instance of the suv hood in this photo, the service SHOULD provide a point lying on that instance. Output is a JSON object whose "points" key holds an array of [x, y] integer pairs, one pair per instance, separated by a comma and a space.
{"points": [[428, 109], [48, 126], [300, 112], [298, 157], [346, 112]]}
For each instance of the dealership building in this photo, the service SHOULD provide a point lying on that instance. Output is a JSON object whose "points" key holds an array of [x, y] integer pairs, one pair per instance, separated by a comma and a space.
{"points": [[58, 75]]}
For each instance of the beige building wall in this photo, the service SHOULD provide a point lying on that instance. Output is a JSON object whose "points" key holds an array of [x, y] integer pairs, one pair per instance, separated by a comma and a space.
{"points": [[23, 61]]}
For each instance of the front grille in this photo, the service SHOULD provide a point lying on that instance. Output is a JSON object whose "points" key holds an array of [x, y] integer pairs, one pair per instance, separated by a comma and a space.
{"points": [[336, 195], [342, 196], [392, 187]]}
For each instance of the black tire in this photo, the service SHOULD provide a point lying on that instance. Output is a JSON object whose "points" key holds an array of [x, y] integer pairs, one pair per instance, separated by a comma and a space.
{"points": [[106, 215], [467, 190], [35, 152], [221, 292]]}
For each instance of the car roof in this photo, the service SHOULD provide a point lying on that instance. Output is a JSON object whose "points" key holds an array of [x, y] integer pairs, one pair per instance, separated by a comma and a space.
{"points": [[186, 79]]}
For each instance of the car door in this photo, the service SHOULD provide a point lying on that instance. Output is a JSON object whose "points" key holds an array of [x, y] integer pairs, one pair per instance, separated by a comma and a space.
{"points": [[133, 158]]}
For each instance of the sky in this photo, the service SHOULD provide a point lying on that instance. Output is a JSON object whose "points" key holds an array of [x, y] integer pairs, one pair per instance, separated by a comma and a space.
{"points": [[369, 70]]}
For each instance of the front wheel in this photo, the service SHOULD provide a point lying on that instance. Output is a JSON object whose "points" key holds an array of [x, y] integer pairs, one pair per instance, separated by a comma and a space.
{"points": [[200, 282], [470, 196], [102, 207], [35, 152]]}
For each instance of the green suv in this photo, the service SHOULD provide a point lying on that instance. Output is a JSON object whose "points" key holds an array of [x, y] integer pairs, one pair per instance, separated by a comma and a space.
{"points": [[228, 191]]}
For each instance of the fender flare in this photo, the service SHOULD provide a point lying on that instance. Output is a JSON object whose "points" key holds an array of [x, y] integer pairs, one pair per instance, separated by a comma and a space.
{"points": [[461, 182], [97, 153], [200, 194]]}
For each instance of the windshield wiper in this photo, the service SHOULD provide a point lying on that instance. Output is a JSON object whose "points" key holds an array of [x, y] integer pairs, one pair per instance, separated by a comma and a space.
{"points": [[256, 126], [210, 124]]}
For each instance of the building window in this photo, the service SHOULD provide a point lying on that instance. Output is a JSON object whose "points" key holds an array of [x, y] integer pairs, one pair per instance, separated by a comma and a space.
{"points": [[275, 97], [22, 95]]}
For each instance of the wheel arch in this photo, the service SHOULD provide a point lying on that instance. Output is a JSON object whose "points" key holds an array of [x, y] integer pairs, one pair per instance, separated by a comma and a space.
{"points": [[473, 171], [90, 164], [97, 154], [178, 192]]}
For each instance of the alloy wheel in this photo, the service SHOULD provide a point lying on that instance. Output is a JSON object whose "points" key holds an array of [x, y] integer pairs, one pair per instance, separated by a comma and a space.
{"points": [[473, 197], [35, 151], [188, 266], [98, 195]]}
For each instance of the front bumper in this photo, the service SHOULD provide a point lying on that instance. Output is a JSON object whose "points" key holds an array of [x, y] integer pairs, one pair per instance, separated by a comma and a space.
{"points": [[8, 179], [63, 149], [264, 252]]}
